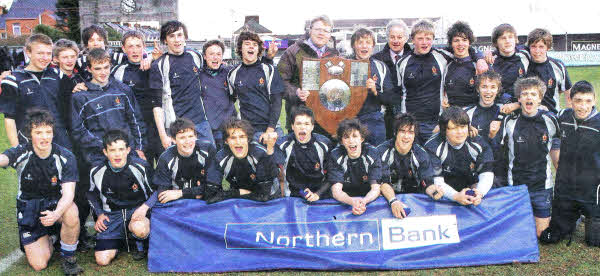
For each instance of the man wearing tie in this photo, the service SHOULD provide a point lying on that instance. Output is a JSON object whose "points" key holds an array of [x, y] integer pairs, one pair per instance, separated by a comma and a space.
{"points": [[394, 50]]}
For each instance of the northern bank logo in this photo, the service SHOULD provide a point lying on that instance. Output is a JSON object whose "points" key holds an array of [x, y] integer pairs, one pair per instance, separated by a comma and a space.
{"points": [[331, 236], [344, 236], [419, 231]]}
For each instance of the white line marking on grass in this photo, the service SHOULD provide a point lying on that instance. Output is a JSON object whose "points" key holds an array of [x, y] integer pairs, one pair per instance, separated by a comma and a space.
{"points": [[10, 260]]}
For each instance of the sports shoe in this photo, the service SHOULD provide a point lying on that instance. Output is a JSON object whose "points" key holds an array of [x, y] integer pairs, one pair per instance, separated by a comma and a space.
{"points": [[70, 266], [138, 255], [85, 245]]}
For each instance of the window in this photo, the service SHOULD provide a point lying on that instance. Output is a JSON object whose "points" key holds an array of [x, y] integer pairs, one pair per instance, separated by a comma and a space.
{"points": [[2, 35], [16, 29]]}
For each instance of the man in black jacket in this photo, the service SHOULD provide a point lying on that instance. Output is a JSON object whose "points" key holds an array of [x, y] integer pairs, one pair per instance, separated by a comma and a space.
{"points": [[394, 50]]}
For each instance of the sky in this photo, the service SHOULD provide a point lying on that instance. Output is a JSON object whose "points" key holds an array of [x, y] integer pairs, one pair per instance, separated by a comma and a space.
{"points": [[284, 17]]}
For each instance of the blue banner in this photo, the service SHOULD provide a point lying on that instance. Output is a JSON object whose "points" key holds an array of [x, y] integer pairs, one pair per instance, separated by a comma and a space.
{"points": [[288, 233]]}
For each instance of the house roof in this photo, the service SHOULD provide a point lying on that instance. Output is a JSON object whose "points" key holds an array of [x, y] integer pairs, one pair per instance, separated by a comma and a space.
{"points": [[29, 8], [253, 26], [2, 22]]}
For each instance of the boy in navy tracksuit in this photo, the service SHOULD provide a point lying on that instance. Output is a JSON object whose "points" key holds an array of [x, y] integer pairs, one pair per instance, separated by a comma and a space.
{"points": [[378, 84], [121, 196], [47, 174], [65, 56], [248, 167], [304, 156], [459, 77], [577, 188], [215, 89], [175, 85], [107, 104], [95, 37], [182, 169], [527, 137], [406, 167], [131, 74], [465, 163], [510, 62], [258, 87], [36, 85], [420, 76], [551, 71], [354, 167], [486, 117]]}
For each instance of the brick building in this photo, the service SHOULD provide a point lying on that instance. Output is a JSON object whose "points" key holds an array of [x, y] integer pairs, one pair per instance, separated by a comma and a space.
{"points": [[24, 15]]}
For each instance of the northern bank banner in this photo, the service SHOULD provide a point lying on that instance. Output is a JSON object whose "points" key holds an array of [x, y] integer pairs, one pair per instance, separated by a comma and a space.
{"points": [[287, 233]]}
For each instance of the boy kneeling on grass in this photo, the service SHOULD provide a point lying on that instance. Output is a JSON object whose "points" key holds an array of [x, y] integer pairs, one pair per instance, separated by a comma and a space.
{"points": [[47, 175], [121, 197]]}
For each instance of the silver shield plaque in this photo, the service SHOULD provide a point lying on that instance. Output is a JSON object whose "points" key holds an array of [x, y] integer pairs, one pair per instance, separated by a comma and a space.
{"points": [[334, 95]]}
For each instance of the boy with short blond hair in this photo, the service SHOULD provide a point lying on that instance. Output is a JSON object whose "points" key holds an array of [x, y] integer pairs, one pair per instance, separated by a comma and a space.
{"points": [[36, 85]]}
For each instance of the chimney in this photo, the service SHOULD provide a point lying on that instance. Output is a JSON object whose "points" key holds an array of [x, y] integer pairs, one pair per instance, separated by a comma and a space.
{"points": [[251, 17]]}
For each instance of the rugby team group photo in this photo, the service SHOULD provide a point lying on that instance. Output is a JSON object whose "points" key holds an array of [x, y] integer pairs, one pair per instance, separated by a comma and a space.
{"points": [[103, 136]]}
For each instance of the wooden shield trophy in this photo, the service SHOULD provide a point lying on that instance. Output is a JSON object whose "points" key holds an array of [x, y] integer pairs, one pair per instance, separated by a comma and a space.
{"points": [[337, 89]]}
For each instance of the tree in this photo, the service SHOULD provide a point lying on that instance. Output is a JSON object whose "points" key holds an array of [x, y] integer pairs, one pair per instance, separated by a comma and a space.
{"points": [[49, 31], [113, 35], [68, 22]]}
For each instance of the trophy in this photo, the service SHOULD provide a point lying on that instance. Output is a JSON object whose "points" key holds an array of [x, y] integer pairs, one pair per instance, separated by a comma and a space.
{"points": [[337, 89]]}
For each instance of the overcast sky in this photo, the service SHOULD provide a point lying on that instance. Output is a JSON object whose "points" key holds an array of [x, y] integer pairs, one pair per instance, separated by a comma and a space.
{"points": [[207, 20]]}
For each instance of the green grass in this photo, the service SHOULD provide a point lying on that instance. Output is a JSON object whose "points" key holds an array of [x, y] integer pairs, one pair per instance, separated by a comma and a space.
{"points": [[560, 259]]}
